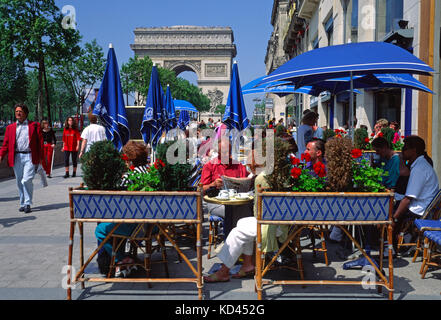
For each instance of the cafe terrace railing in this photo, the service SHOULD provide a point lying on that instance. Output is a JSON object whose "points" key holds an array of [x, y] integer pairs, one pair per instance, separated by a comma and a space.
{"points": [[159, 208], [302, 209]]}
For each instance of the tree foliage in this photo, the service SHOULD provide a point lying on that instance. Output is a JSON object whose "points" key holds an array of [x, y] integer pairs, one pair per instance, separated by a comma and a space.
{"points": [[135, 79], [13, 85], [31, 31], [81, 73]]}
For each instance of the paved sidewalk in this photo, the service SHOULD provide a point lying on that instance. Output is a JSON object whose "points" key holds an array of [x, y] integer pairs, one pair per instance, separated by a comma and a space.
{"points": [[34, 249]]}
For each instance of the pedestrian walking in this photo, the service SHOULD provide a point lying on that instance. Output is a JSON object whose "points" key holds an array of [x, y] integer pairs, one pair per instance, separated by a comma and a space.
{"points": [[23, 143], [71, 145], [92, 133], [49, 142]]}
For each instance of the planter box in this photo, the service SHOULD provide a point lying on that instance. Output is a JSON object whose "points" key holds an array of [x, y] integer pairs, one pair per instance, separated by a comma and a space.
{"points": [[172, 205], [304, 206], [160, 208]]}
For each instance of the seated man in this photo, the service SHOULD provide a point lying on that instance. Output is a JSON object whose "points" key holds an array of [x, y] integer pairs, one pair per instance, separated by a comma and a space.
{"points": [[422, 187], [213, 171], [390, 159]]}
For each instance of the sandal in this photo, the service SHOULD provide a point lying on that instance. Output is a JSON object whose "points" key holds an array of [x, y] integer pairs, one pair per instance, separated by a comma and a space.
{"points": [[243, 274], [212, 278]]}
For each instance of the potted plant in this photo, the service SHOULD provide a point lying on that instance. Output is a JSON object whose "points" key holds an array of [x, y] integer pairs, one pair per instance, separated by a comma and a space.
{"points": [[146, 201], [350, 193]]}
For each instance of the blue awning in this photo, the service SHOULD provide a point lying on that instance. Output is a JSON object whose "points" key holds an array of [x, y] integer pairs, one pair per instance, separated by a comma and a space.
{"points": [[184, 105]]}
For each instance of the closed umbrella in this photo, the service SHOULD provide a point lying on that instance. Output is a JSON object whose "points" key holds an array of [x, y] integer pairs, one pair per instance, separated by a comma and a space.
{"points": [[152, 121], [171, 121], [109, 106], [235, 115], [184, 120]]}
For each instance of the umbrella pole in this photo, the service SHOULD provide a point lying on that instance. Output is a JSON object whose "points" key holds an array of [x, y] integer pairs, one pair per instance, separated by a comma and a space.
{"points": [[351, 106]]}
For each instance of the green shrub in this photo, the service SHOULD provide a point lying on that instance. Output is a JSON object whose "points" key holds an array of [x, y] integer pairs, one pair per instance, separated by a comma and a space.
{"points": [[388, 134], [360, 136], [173, 177], [102, 166], [328, 133]]}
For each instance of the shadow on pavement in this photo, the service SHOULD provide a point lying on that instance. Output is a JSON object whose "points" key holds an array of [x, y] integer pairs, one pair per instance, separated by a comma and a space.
{"points": [[10, 199], [49, 207], [9, 222]]}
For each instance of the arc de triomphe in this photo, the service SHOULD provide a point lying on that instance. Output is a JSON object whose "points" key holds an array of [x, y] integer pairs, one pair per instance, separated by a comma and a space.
{"points": [[207, 51]]}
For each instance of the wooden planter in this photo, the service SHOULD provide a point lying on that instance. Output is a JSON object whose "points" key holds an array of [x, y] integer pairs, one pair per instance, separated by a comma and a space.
{"points": [[301, 209], [173, 207]]}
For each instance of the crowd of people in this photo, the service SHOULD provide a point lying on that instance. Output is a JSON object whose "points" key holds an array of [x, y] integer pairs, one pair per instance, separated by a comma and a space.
{"points": [[410, 174]]}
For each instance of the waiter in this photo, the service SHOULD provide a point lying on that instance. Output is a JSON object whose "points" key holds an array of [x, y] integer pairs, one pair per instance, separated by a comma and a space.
{"points": [[23, 143]]}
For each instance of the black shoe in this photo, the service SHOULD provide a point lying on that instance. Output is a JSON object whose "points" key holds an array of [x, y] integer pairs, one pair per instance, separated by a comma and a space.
{"points": [[27, 209], [74, 175], [49, 176], [66, 175], [21, 209]]}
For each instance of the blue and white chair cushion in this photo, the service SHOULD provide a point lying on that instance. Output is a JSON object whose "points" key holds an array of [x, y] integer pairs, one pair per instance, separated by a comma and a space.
{"points": [[422, 224]]}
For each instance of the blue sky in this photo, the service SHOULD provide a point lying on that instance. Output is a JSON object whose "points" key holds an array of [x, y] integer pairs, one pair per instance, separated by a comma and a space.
{"points": [[114, 21]]}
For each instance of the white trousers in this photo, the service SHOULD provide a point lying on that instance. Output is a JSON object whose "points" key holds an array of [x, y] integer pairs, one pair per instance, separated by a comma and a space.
{"points": [[239, 241], [24, 171]]}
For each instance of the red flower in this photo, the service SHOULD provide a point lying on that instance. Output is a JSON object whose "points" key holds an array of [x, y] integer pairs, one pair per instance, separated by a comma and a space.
{"points": [[339, 136], [380, 134], [156, 165], [372, 134], [294, 161], [296, 172], [124, 157], [305, 157], [132, 168], [320, 169], [366, 140], [161, 163], [402, 137], [356, 153]]}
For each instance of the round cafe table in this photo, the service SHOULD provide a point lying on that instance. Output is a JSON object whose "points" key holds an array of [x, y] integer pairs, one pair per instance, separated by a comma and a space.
{"points": [[231, 209]]}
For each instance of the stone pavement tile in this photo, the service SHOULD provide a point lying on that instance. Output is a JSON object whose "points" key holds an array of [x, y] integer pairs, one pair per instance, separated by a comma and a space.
{"points": [[27, 284]]}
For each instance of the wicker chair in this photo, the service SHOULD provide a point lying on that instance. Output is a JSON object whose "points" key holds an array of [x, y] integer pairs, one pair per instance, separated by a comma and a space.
{"points": [[213, 232], [429, 221], [141, 238], [432, 239]]}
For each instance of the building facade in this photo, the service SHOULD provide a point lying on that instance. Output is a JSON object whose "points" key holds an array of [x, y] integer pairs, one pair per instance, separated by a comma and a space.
{"points": [[414, 25]]}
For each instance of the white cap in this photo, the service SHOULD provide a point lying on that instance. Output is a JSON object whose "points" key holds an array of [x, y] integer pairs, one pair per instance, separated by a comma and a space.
{"points": [[110, 45]]}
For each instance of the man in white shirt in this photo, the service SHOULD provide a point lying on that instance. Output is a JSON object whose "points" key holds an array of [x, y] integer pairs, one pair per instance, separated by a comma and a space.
{"points": [[421, 188], [92, 133]]}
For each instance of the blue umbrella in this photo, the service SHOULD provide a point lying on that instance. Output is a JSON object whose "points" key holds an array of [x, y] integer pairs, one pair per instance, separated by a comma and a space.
{"points": [[372, 81], [280, 88], [350, 59], [343, 60], [152, 121], [184, 119], [109, 106], [235, 115], [184, 105], [170, 122]]}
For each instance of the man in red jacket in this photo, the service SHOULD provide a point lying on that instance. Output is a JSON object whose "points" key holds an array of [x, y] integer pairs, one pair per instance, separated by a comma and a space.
{"points": [[23, 142]]}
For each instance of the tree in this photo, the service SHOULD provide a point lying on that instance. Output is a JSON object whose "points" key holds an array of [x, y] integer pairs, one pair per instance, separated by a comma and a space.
{"points": [[32, 31], [135, 78], [81, 73], [13, 85]]}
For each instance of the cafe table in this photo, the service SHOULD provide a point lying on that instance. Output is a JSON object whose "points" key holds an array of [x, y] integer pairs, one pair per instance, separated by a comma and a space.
{"points": [[231, 209]]}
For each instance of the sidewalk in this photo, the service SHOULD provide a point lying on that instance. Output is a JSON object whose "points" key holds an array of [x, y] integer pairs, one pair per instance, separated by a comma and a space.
{"points": [[34, 250]]}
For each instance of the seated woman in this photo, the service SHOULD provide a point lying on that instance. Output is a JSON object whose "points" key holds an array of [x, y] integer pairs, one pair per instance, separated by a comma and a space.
{"points": [[136, 159], [240, 240]]}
